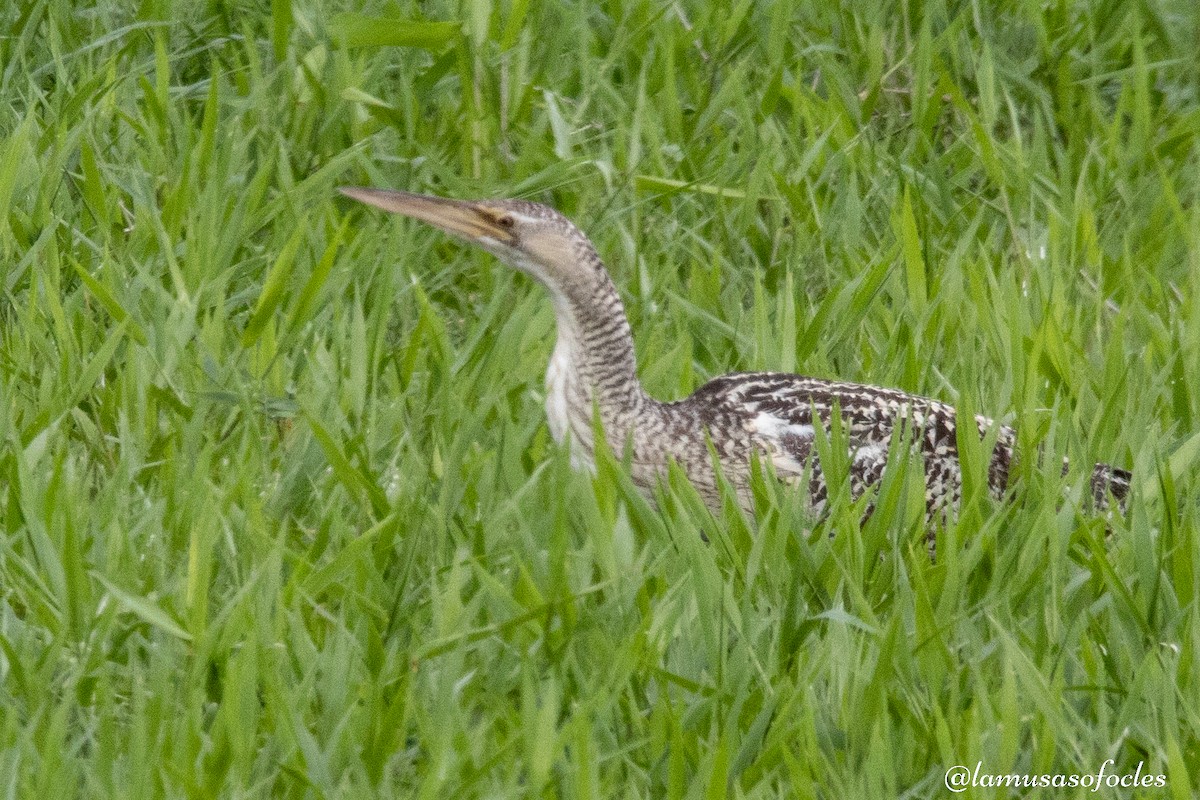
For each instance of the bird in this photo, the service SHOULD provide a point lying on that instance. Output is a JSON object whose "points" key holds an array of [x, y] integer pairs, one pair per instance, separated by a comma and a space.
{"points": [[775, 417]]}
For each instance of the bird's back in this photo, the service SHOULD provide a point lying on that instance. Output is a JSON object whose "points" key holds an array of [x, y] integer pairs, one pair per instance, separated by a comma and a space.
{"points": [[778, 415]]}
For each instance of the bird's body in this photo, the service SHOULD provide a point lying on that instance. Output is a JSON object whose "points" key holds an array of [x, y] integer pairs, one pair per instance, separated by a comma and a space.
{"points": [[775, 416]]}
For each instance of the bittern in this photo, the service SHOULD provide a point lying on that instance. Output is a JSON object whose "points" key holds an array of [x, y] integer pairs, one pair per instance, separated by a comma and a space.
{"points": [[771, 414]]}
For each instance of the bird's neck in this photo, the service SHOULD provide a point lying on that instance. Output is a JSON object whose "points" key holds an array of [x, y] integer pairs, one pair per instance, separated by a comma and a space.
{"points": [[595, 342], [593, 365]]}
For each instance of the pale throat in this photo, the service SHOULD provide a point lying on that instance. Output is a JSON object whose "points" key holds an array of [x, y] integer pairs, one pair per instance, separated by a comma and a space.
{"points": [[557, 378], [569, 400]]}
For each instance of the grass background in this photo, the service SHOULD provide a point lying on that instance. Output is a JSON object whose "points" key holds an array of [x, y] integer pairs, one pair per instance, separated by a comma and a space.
{"points": [[281, 512]]}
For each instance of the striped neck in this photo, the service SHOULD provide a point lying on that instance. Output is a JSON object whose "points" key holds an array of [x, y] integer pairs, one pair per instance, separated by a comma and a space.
{"points": [[593, 327], [593, 363]]}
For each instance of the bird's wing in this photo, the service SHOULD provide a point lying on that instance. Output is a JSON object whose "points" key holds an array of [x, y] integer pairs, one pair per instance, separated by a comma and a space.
{"points": [[780, 411]]}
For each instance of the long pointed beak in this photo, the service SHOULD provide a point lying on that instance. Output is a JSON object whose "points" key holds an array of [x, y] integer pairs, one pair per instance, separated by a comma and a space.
{"points": [[459, 217]]}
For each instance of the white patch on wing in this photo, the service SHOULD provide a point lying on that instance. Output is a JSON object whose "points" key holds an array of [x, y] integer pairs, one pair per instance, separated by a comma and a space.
{"points": [[871, 453], [772, 427], [773, 430]]}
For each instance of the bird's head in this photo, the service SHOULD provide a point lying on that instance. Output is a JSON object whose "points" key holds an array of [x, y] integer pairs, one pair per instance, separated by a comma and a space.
{"points": [[531, 237]]}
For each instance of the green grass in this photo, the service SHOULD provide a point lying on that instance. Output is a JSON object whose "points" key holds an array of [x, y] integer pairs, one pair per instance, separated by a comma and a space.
{"points": [[282, 516]]}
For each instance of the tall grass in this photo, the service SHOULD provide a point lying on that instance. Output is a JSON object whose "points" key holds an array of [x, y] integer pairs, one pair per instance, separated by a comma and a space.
{"points": [[281, 512]]}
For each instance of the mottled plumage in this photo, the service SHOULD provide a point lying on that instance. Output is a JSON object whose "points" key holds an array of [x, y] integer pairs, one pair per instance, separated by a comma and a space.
{"points": [[775, 415]]}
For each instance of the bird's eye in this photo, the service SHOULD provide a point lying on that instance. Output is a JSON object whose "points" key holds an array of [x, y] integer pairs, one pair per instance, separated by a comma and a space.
{"points": [[505, 221]]}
